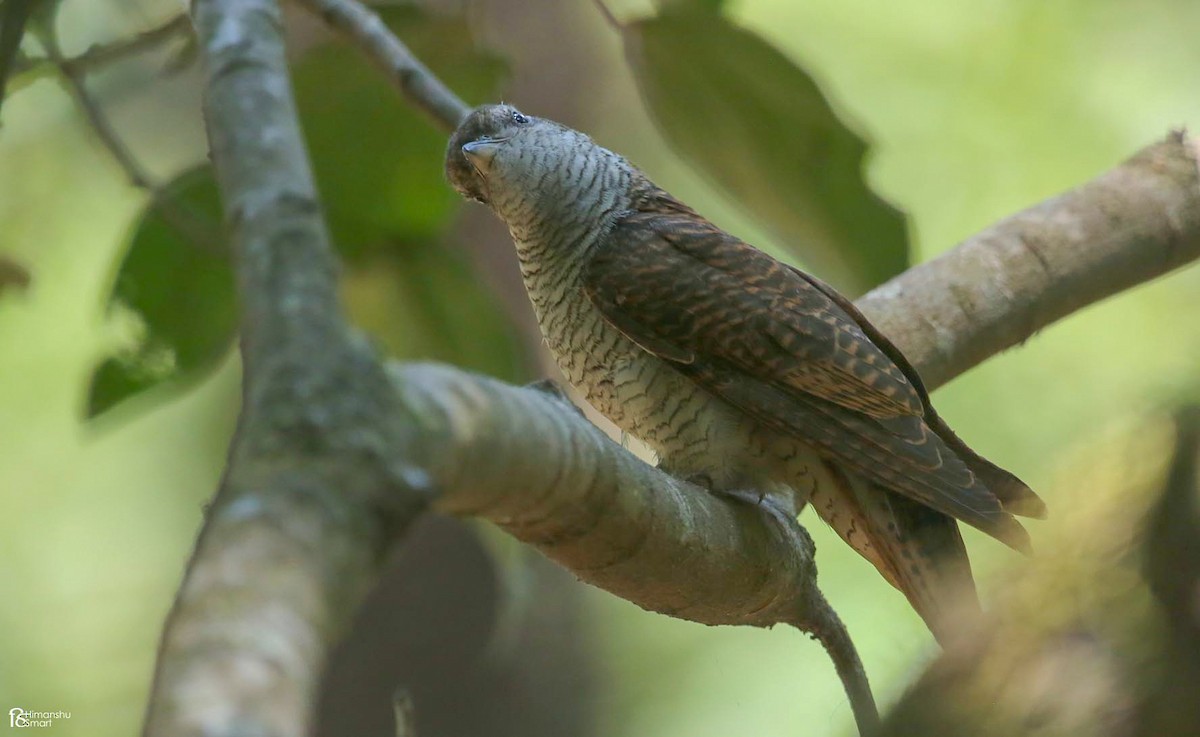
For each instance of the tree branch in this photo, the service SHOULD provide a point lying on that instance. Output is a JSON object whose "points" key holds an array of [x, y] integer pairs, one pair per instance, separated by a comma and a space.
{"points": [[100, 123], [192, 227], [317, 486], [528, 461], [102, 55], [995, 290], [414, 80], [334, 456]]}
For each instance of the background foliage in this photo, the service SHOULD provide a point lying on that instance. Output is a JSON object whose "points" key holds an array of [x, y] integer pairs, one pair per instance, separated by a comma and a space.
{"points": [[972, 111]]}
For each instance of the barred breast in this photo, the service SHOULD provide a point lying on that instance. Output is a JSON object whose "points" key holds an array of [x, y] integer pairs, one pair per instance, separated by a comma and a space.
{"points": [[692, 432]]}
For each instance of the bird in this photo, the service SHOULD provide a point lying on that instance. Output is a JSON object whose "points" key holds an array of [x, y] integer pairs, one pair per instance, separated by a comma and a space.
{"points": [[740, 372]]}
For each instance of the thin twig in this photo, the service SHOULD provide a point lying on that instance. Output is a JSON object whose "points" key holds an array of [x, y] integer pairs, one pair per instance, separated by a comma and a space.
{"points": [[381, 46], [102, 55], [607, 13], [824, 624], [811, 613], [195, 229], [100, 123]]}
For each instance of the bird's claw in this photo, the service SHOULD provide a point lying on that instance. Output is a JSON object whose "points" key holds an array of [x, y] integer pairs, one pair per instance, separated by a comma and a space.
{"points": [[758, 498], [754, 497]]}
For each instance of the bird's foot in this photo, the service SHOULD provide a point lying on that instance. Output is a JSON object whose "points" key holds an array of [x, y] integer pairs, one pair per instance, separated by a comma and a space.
{"points": [[770, 503], [555, 389], [758, 497]]}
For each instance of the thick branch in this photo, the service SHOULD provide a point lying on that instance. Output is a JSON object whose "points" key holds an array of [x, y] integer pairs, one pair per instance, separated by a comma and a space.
{"points": [[1131, 224], [317, 485], [529, 462]]}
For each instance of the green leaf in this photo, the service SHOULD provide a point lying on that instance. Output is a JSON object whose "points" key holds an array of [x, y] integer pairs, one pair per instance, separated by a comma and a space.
{"points": [[176, 279], [758, 125]]}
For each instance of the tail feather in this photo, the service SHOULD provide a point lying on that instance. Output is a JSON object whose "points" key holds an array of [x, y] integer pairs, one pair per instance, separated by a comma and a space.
{"points": [[1014, 494], [918, 550]]}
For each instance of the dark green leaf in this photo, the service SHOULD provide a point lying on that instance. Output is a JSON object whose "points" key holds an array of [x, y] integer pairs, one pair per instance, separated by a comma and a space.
{"points": [[12, 275], [176, 279], [379, 168], [757, 124]]}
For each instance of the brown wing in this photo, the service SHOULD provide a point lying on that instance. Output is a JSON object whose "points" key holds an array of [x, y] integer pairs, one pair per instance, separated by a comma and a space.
{"points": [[1015, 496], [762, 337]]}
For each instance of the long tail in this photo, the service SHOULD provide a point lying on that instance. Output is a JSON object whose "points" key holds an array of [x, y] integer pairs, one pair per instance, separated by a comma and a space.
{"points": [[918, 550]]}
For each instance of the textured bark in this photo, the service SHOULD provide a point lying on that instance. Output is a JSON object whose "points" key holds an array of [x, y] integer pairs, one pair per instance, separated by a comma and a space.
{"points": [[317, 486], [527, 461], [995, 290]]}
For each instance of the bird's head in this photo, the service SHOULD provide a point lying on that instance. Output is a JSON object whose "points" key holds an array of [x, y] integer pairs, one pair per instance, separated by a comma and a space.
{"points": [[526, 169]]}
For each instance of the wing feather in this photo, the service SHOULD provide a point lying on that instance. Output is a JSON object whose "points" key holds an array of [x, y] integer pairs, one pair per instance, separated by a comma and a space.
{"points": [[791, 352]]}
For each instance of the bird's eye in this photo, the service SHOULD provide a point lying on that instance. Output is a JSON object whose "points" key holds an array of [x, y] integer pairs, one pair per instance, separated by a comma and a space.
{"points": [[518, 118]]}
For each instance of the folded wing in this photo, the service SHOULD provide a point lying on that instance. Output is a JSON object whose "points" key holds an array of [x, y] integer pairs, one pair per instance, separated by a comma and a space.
{"points": [[792, 353]]}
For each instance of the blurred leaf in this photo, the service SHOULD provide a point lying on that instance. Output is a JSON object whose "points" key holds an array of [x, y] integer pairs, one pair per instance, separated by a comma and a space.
{"points": [[378, 161], [1171, 552], [1173, 532], [14, 15], [741, 112], [379, 170], [12, 274], [176, 278], [422, 300]]}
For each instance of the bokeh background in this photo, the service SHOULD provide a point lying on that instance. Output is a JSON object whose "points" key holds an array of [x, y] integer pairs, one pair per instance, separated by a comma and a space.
{"points": [[973, 111]]}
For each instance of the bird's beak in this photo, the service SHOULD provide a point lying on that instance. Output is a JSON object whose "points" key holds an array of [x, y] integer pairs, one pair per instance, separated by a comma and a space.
{"points": [[480, 153]]}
